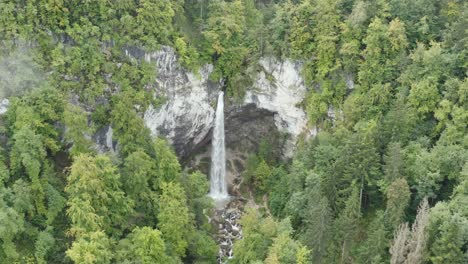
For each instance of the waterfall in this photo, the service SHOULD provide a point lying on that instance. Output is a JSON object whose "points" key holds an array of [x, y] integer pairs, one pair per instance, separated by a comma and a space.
{"points": [[218, 186]]}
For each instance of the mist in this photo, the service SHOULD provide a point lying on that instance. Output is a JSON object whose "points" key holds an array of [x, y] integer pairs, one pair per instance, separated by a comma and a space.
{"points": [[19, 73]]}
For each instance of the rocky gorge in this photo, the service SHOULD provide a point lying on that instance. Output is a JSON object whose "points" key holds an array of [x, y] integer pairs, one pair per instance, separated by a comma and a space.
{"points": [[270, 108], [186, 118]]}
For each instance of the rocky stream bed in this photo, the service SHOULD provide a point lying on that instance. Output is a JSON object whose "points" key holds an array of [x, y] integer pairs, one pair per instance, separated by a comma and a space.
{"points": [[226, 220]]}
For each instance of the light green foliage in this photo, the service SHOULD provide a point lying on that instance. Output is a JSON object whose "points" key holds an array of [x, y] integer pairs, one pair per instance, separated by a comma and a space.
{"points": [[167, 166], [279, 29], [152, 20], [173, 214], [424, 96], [225, 26], [430, 169], [128, 127], [188, 55], [284, 250], [144, 245], [22, 200], [11, 224], [91, 248], [352, 31], [95, 196], [386, 89], [8, 23], [78, 131], [231, 36], [262, 173], [452, 111], [314, 38], [302, 255], [460, 194], [258, 234], [428, 69], [196, 185], [384, 47], [448, 225], [420, 16], [327, 18], [4, 172], [426, 175], [27, 155], [38, 111], [267, 240], [137, 172], [301, 35], [383, 58], [316, 107]]}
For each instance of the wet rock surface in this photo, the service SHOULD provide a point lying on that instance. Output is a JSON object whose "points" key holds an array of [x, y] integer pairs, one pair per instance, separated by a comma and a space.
{"points": [[186, 117], [104, 141], [226, 220]]}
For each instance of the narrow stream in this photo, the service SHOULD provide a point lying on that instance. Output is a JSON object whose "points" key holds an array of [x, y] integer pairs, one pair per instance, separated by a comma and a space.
{"points": [[226, 219]]}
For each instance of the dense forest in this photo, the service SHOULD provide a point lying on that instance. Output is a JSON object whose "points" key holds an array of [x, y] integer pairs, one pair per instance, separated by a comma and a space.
{"points": [[385, 180]]}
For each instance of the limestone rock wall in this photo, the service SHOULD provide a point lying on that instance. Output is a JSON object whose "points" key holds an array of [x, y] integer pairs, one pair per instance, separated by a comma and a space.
{"points": [[186, 118]]}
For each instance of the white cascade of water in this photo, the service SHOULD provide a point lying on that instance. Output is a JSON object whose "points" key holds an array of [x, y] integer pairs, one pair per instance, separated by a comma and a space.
{"points": [[218, 185]]}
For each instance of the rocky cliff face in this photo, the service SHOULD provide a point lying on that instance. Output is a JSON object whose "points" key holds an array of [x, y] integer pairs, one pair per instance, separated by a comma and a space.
{"points": [[279, 89], [186, 118]]}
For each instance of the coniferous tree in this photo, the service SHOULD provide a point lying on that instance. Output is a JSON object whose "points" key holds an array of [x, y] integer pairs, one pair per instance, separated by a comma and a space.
{"points": [[398, 197], [345, 229], [374, 248], [173, 214], [96, 201]]}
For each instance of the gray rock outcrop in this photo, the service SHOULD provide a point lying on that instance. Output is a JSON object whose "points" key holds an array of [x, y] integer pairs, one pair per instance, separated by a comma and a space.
{"points": [[186, 117]]}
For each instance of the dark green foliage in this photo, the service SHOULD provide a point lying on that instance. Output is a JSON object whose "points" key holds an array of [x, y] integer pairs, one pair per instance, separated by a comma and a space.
{"points": [[375, 248], [387, 89]]}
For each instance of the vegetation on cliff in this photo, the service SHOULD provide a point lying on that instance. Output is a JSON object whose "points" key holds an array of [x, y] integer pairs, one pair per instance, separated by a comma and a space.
{"points": [[385, 180]]}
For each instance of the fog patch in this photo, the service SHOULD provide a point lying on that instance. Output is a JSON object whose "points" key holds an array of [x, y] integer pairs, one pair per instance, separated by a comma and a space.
{"points": [[19, 73]]}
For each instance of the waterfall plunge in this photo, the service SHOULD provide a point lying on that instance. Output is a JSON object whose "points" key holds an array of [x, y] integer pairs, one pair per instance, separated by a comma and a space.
{"points": [[218, 186]]}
